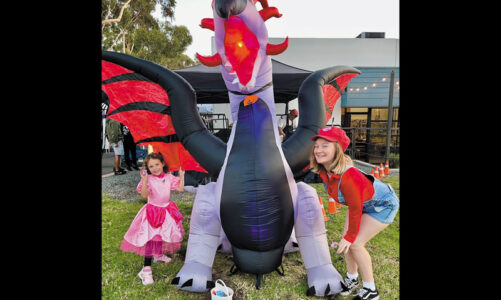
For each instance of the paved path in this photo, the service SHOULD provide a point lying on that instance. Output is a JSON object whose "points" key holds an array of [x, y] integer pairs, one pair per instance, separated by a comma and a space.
{"points": [[107, 163]]}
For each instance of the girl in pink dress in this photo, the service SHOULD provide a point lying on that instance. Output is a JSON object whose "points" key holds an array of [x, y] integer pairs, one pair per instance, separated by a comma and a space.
{"points": [[157, 227]]}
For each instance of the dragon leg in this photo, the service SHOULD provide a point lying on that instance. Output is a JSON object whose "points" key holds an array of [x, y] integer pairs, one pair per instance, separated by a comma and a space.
{"points": [[291, 245], [323, 278], [203, 241]]}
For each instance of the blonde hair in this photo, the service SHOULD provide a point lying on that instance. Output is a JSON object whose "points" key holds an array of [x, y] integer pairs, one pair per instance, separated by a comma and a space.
{"points": [[338, 165]]}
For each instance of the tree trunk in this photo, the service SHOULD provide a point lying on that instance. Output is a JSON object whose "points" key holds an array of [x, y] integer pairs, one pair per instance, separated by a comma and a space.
{"points": [[104, 22]]}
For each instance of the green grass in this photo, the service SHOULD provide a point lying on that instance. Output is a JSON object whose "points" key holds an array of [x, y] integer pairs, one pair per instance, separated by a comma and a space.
{"points": [[119, 269]]}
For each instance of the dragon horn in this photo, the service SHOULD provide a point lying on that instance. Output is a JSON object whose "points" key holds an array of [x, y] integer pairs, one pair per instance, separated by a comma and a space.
{"points": [[264, 3], [210, 61], [269, 12], [207, 23], [272, 49]]}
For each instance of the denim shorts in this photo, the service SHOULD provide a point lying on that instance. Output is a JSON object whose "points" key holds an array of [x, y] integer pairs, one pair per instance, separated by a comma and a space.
{"points": [[383, 209], [119, 149]]}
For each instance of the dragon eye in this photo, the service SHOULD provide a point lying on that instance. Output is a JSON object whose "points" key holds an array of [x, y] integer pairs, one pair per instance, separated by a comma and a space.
{"points": [[240, 44]]}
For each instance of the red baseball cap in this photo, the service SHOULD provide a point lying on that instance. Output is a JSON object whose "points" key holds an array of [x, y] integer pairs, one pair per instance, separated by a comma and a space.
{"points": [[334, 134]]}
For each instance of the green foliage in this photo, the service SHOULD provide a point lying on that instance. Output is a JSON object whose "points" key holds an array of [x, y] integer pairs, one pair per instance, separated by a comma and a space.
{"points": [[139, 34], [394, 160], [119, 269]]}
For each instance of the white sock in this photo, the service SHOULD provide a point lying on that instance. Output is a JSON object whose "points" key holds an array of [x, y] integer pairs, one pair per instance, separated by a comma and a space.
{"points": [[352, 276], [369, 285]]}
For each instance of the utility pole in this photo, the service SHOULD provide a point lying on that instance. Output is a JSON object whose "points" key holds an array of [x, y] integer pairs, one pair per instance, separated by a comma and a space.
{"points": [[390, 116]]}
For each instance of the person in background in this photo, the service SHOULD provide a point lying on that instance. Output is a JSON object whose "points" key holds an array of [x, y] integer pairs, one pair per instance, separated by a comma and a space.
{"points": [[115, 138], [284, 128], [129, 148], [372, 206], [157, 228]]}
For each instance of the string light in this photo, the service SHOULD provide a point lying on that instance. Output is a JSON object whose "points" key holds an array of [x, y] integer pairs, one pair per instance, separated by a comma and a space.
{"points": [[374, 84]]}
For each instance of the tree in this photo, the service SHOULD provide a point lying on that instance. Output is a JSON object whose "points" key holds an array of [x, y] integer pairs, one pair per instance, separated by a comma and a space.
{"points": [[128, 26]]}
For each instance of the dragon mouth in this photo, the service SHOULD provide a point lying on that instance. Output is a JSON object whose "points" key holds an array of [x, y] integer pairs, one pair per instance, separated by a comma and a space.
{"points": [[241, 50]]}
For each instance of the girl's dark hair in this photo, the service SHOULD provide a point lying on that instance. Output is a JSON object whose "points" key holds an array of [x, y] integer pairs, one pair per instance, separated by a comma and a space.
{"points": [[155, 155]]}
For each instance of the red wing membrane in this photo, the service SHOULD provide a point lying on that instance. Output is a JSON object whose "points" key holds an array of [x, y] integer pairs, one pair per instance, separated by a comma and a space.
{"points": [[144, 107], [332, 92]]}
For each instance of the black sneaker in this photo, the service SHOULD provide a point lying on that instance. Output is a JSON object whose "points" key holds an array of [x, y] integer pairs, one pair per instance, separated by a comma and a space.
{"points": [[129, 168], [349, 285], [366, 293], [135, 166], [120, 172]]}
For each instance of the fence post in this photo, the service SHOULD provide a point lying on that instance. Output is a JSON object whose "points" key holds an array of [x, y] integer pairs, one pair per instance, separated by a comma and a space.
{"points": [[390, 117]]}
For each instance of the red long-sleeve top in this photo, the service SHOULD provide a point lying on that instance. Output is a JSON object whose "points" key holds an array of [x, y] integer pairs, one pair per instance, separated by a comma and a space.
{"points": [[356, 189]]}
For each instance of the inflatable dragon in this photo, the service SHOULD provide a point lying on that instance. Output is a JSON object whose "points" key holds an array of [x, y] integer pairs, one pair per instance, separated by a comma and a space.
{"points": [[255, 204], [255, 210]]}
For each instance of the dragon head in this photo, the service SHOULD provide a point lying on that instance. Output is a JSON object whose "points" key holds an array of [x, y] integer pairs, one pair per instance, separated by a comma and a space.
{"points": [[241, 40]]}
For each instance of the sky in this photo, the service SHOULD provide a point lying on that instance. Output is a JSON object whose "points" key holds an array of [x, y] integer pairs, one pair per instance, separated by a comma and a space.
{"points": [[301, 19]]}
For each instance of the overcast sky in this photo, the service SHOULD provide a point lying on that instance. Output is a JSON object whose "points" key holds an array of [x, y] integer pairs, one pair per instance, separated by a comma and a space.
{"points": [[301, 18]]}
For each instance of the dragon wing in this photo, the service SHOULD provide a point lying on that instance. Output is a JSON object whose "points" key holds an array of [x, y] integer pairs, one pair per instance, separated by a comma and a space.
{"points": [[136, 101], [333, 91]]}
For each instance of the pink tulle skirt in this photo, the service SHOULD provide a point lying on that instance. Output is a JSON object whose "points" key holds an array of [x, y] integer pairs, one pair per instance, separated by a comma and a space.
{"points": [[154, 231]]}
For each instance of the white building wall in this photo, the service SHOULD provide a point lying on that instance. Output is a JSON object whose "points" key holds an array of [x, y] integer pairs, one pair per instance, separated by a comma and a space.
{"points": [[317, 53]]}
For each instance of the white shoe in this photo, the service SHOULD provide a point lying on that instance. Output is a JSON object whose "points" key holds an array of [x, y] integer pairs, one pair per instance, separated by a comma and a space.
{"points": [[146, 276], [163, 258]]}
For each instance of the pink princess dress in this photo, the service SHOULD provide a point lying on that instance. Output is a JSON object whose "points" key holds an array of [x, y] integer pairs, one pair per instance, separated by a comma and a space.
{"points": [[157, 227]]}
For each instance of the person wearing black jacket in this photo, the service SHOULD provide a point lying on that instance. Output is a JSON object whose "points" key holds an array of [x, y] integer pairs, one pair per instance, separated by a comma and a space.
{"points": [[129, 147]]}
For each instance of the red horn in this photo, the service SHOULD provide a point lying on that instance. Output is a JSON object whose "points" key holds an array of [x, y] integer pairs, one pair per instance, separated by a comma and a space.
{"points": [[210, 61], [264, 3], [269, 12], [207, 23], [272, 49]]}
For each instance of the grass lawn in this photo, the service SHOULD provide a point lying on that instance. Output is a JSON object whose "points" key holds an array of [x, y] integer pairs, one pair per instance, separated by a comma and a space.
{"points": [[119, 269]]}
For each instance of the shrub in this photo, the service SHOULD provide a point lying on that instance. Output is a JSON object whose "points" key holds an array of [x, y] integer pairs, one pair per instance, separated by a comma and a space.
{"points": [[394, 161]]}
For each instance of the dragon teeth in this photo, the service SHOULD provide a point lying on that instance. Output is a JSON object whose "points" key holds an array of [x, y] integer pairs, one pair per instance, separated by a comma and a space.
{"points": [[236, 81], [228, 66]]}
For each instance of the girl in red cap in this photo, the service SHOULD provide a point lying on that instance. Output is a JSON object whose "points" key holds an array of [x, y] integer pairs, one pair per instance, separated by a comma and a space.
{"points": [[372, 205]]}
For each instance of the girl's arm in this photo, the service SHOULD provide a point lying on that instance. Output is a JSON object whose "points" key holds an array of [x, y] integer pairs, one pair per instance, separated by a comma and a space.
{"points": [[180, 187], [356, 189], [144, 187]]}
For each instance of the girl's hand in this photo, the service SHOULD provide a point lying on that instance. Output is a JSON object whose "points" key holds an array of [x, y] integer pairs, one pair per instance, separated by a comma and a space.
{"points": [[181, 172], [144, 174], [344, 246]]}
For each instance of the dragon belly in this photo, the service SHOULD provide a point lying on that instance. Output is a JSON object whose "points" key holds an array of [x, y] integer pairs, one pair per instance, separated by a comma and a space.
{"points": [[256, 209]]}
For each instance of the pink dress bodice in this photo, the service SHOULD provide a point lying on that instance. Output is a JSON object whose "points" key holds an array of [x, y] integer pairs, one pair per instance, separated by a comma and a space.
{"points": [[159, 188]]}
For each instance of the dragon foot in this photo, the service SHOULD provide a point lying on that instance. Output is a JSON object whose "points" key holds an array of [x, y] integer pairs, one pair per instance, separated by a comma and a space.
{"points": [[194, 277], [323, 281]]}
